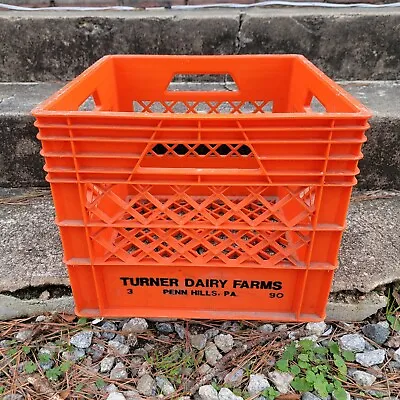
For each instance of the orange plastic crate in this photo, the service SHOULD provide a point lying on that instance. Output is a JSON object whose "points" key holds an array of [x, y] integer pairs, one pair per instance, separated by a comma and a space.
{"points": [[202, 204]]}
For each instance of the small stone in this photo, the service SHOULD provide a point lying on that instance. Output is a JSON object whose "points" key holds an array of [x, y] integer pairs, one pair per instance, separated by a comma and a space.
{"points": [[108, 329], [207, 392], [281, 328], [119, 371], [15, 396], [40, 318], [226, 394], [281, 380], [394, 365], [266, 328], [203, 369], [106, 364], [120, 338], [24, 335], [316, 328], [96, 351], [45, 295], [234, 378], [348, 397], [309, 396], [257, 383], [352, 342], [74, 355], [369, 358], [198, 341], [164, 327], [140, 352], [146, 385], [132, 395], [116, 396], [211, 333], [396, 355], [135, 325], [111, 388], [82, 340], [180, 330], [377, 332], [224, 342], [212, 354], [164, 385], [363, 378], [118, 348], [394, 342]]}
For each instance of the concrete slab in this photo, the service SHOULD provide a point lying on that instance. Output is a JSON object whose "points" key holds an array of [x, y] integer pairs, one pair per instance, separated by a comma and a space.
{"points": [[31, 255], [21, 164], [45, 46]]}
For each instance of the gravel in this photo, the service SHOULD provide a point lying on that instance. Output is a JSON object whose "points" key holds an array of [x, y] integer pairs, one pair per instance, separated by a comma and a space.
{"points": [[257, 383], [73, 355], [164, 385], [266, 328], [164, 327], [224, 342], [82, 340], [118, 348], [234, 378], [24, 335], [316, 328], [212, 354], [96, 351], [363, 378], [281, 380], [352, 342], [370, 358], [109, 330], [116, 396], [379, 333], [207, 392], [135, 325], [309, 396], [146, 386], [119, 371], [180, 330], [198, 341], [226, 394], [106, 364]]}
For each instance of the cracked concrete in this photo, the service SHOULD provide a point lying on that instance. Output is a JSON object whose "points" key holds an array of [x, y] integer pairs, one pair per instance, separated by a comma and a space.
{"points": [[48, 46]]}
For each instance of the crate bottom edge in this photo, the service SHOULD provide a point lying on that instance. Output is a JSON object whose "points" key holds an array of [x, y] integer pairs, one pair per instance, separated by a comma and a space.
{"points": [[199, 314]]}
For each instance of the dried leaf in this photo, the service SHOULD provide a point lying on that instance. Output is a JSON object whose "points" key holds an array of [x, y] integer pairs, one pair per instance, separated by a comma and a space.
{"points": [[68, 317]]}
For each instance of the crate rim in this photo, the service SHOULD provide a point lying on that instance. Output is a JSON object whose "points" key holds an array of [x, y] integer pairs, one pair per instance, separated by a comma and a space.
{"points": [[43, 108]]}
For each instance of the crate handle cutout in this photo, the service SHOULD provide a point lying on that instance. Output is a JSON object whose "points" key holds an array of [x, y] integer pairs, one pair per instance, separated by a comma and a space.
{"points": [[314, 104], [91, 103], [195, 83]]}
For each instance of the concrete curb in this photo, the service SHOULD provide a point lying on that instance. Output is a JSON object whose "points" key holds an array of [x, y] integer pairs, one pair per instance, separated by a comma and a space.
{"points": [[48, 46], [21, 165], [11, 307]]}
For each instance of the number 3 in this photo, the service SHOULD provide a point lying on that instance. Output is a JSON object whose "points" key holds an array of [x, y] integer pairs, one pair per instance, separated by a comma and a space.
{"points": [[130, 291]]}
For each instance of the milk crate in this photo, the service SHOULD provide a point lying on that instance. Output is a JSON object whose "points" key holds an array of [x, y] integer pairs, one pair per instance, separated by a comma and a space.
{"points": [[223, 201]]}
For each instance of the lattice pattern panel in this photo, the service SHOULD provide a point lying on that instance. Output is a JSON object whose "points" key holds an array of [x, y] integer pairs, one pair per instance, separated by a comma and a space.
{"points": [[288, 208], [203, 107], [202, 246], [201, 150], [177, 225]]}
